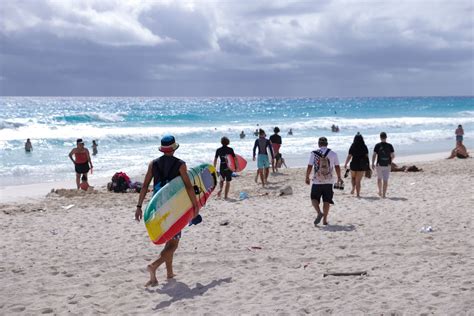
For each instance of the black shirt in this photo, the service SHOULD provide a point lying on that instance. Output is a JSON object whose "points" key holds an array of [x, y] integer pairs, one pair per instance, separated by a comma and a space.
{"points": [[384, 147], [275, 139], [222, 154]]}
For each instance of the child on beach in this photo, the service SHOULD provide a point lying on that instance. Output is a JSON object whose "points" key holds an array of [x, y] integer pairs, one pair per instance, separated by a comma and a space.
{"points": [[275, 139], [224, 171], [84, 184], [162, 170]]}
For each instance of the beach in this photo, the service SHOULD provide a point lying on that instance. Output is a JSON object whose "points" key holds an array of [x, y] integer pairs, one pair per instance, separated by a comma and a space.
{"points": [[76, 252]]}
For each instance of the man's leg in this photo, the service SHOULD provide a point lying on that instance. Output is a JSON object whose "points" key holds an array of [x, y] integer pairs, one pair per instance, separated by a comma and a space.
{"points": [[385, 186], [221, 183], [227, 187], [267, 172], [166, 255], [262, 178], [169, 262], [326, 212]]}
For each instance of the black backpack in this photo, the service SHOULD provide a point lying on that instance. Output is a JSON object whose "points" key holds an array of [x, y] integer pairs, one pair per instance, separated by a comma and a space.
{"points": [[384, 157]]}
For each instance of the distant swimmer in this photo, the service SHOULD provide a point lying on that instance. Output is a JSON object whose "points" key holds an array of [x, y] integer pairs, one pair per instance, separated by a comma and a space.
{"points": [[242, 135], [28, 146], [94, 148], [290, 132]]}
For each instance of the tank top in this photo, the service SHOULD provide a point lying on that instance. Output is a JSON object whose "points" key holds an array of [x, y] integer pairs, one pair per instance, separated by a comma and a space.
{"points": [[165, 169], [81, 157]]}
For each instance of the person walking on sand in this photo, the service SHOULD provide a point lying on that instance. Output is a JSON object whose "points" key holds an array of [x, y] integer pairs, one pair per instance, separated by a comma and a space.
{"points": [[162, 170], [28, 146], [275, 139], [82, 161], [459, 134], [382, 157], [324, 161], [263, 163], [224, 170], [94, 148], [359, 158]]}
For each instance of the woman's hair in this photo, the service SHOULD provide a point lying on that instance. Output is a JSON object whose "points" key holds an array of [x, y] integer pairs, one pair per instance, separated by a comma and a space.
{"points": [[358, 139], [225, 141]]}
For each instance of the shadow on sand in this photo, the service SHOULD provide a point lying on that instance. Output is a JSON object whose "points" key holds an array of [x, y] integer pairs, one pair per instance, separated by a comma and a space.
{"points": [[180, 291], [338, 228]]}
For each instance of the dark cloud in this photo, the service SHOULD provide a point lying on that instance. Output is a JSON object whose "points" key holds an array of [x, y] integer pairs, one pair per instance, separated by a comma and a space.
{"points": [[231, 49]]}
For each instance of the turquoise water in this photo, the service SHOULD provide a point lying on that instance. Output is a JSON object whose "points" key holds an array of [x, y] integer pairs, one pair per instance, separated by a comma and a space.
{"points": [[128, 130]]}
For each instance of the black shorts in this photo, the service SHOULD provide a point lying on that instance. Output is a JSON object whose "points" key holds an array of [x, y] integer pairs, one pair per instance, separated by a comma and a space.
{"points": [[82, 167], [226, 174], [324, 190]]}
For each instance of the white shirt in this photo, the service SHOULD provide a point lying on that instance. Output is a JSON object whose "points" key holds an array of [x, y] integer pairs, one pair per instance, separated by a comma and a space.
{"points": [[333, 161]]}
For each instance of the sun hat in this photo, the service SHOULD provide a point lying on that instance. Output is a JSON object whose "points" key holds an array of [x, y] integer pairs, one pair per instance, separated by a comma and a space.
{"points": [[168, 144]]}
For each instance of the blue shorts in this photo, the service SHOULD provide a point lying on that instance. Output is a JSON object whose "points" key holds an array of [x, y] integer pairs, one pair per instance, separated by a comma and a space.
{"points": [[263, 162]]}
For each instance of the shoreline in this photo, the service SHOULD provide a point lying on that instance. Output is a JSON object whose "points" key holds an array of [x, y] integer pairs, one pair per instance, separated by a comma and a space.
{"points": [[38, 191]]}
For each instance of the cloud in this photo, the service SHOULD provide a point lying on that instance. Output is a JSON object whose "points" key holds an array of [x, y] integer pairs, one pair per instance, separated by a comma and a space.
{"points": [[339, 47]]}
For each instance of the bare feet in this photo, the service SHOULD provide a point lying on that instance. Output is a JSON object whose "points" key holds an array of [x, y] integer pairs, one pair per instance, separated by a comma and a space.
{"points": [[170, 276], [219, 193], [380, 194], [153, 281]]}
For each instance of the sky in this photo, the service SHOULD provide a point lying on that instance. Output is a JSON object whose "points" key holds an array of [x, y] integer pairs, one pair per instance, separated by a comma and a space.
{"points": [[314, 48]]}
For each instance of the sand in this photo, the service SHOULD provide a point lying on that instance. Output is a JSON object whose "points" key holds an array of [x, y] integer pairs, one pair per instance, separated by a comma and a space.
{"points": [[90, 258]]}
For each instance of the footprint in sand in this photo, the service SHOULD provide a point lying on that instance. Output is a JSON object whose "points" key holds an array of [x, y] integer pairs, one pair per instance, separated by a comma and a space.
{"points": [[18, 308], [47, 310]]}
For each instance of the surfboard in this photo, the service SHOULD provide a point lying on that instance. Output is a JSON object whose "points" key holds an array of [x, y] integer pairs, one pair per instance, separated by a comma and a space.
{"points": [[170, 209], [231, 163]]}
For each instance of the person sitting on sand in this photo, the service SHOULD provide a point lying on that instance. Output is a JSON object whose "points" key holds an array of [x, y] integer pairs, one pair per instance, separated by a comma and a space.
{"points": [[82, 160], [459, 152], [84, 184], [28, 146], [224, 170], [162, 170], [413, 168]]}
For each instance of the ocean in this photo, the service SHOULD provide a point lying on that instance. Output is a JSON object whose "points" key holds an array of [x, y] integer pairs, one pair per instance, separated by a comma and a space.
{"points": [[128, 130]]}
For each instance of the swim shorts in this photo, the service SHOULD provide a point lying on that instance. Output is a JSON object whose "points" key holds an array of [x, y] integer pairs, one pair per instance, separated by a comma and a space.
{"points": [[82, 167], [226, 174], [383, 172], [322, 190], [263, 162], [459, 138]]}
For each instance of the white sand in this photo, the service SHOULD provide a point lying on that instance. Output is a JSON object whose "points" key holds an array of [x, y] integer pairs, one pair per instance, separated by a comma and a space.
{"points": [[91, 258]]}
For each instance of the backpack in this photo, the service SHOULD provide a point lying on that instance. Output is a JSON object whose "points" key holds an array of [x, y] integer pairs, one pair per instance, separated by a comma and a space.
{"points": [[120, 182], [384, 157], [322, 167]]}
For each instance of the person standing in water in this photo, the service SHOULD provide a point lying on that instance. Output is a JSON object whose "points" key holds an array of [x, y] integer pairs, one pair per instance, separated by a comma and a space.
{"points": [[161, 171], [94, 148], [82, 161], [263, 162], [28, 146]]}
